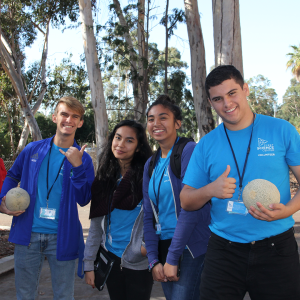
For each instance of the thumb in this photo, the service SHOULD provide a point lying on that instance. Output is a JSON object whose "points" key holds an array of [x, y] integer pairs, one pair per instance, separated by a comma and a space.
{"points": [[227, 171], [82, 149]]}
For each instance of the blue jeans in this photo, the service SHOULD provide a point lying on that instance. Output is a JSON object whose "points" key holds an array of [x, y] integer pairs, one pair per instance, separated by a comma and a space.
{"points": [[188, 285], [28, 265]]}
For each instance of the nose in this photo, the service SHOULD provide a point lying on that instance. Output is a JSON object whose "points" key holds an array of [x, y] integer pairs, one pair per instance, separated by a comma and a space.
{"points": [[156, 121], [227, 101]]}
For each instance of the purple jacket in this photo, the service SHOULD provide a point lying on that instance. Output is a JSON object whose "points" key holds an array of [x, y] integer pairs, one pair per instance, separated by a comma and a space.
{"points": [[192, 227]]}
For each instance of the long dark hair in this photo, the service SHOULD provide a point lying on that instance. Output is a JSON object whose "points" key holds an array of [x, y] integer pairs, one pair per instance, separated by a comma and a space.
{"points": [[109, 169]]}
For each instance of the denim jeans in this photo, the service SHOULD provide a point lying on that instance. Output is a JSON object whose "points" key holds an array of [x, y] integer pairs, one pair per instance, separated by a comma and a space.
{"points": [[188, 285], [28, 265]]}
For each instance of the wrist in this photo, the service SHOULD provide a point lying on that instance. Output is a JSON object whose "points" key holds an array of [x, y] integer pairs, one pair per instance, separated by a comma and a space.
{"points": [[154, 263]]}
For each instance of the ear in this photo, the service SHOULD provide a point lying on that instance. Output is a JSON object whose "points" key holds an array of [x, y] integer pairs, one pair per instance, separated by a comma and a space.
{"points": [[177, 124], [54, 118], [246, 89], [80, 124]]}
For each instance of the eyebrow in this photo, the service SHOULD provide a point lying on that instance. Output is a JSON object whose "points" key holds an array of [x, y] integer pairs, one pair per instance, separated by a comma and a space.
{"points": [[226, 94], [128, 137], [158, 115], [73, 115]]}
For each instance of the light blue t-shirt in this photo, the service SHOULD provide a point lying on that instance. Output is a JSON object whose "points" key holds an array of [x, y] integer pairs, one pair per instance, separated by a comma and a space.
{"points": [[121, 225], [166, 206], [275, 145], [42, 225]]}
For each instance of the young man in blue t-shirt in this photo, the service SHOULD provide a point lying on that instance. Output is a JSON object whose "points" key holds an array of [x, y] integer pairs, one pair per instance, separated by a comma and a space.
{"points": [[57, 174], [253, 250]]}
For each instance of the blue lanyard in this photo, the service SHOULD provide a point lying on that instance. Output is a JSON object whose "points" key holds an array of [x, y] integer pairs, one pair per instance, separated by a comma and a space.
{"points": [[246, 159]]}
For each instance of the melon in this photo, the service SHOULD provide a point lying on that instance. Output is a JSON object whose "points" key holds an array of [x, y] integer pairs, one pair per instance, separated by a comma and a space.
{"points": [[262, 191], [17, 199]]}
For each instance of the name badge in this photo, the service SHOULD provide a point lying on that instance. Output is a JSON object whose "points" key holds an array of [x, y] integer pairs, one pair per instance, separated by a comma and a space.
{"points": [[47, 213], [158, 228], [236, 207]]}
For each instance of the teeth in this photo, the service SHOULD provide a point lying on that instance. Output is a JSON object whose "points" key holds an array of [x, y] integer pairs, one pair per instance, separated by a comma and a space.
{"points": [[68, 126], [230, 110], [158, 131]]}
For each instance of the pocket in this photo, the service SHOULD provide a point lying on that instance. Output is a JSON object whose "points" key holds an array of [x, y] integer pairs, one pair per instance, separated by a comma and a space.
{"points": [[287, 247]]}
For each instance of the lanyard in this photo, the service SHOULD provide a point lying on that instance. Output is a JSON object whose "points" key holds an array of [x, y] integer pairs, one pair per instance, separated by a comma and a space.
{"points": [[246, 159], [49, 191], [158, 191]]}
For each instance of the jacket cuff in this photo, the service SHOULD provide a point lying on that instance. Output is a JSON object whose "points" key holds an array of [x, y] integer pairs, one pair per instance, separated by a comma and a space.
{"points": [[88, 265]]}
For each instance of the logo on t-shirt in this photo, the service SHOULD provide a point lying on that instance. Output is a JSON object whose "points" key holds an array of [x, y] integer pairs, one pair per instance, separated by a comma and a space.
{"points": [[265, 146]]}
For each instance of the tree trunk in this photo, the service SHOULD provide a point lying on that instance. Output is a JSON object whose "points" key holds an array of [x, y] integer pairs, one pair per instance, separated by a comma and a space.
{"points": [[227, 33], [94, 73], [25, 131], [198, 68], [167, 48], [133, 65], [7, 62]]}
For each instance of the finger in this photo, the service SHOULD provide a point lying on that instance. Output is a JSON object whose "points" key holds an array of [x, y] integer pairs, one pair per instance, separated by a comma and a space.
{"points": [[227, 171], [62, 152], [83, 148]]}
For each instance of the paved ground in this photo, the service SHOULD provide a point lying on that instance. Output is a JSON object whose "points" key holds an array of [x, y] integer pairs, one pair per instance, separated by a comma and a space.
{"points": [[82, 290]]}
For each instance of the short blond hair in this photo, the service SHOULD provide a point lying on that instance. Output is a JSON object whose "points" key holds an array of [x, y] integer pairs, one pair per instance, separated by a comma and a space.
{"points": [[71, 103]]}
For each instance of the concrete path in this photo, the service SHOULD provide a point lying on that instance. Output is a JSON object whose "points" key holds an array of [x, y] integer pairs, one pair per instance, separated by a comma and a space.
{"points": [[82, 290]]}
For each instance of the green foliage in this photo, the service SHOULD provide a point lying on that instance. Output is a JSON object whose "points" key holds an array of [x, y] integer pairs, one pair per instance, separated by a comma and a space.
{"points": [[262, 99], [290, 108], [177, 16], [294, 61]]}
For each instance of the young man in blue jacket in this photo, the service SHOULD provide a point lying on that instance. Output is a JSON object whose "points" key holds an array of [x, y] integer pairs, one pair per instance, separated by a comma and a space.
{"points": [[253, 250], [57, 174]]}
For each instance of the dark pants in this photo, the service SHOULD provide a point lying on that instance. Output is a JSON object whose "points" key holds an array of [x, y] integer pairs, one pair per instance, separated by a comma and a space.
{"points": [[267, 269], [127, 284]]}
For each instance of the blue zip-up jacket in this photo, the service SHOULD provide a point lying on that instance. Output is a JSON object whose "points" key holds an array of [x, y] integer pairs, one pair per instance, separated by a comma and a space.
{"points": [[75, 189], [192, 227]]}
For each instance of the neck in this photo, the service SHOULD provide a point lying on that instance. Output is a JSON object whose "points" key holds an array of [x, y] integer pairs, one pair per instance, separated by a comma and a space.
{"points": [[63, 142], [124, 165], [166, 146], [244, 123]]}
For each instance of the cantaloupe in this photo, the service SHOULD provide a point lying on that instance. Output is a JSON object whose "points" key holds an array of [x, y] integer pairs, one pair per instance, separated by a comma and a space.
{"points": [[17, 199], [260, 190]]}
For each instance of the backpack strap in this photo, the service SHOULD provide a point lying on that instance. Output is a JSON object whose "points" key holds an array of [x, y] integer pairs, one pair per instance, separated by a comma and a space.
{"points": [[152, 163], [175, 159]]}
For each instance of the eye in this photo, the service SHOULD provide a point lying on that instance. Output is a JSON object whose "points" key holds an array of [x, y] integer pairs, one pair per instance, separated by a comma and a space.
{"points": [[129, 141], [217, 99], [150, 120], [117, 137], [232, 93]]}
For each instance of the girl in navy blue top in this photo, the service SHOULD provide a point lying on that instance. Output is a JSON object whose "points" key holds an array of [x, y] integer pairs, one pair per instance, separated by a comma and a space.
{"points": [[176, 240], [117, 214]]}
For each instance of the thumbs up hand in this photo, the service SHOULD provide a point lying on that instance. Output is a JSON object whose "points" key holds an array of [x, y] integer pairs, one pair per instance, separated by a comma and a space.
{"points": [[73, 155], [224, 186]]}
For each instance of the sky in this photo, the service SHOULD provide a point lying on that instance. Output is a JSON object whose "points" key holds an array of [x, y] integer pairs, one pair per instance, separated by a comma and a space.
{"points": [[268, 28]]}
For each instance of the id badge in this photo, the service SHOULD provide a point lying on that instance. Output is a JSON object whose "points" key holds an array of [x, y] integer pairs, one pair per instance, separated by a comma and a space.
{"points": [[47, 213], [110, 239], [158, 228], [236, 207]]}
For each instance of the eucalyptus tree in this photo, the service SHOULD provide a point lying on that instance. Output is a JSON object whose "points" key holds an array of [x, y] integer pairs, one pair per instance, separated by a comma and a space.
{"points": [[203, 111], [262, 98], [294, 62]]}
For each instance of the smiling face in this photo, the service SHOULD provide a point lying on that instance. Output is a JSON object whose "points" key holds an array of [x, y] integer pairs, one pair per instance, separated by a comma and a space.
{"points": [[162, 125], [124, 144], [230, 102], [67, 121]]}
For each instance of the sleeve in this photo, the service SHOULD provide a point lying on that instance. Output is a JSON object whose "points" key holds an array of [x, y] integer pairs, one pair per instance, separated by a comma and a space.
{"points": [[196, 175], [187, 221], [150, 237], [14, 174], [92, 243], [82, 179], [292, 146]]}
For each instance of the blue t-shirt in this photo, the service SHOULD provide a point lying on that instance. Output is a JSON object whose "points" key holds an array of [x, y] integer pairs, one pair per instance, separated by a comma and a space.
{"points": [[275, 145], [121, 225], [166, 205], [42, 225]]}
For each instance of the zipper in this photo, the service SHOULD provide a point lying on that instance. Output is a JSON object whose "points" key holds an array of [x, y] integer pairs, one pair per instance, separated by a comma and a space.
{"points": [[176, 208]]}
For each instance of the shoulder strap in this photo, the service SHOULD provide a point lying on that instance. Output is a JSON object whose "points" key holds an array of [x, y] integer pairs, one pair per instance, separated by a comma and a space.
{"points": [[175, 159], [152, 163]]}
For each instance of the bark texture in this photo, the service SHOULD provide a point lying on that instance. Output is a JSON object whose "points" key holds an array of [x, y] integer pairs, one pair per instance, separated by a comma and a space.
{"points": [[227, 33], [94, 73], [198, 68]]}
